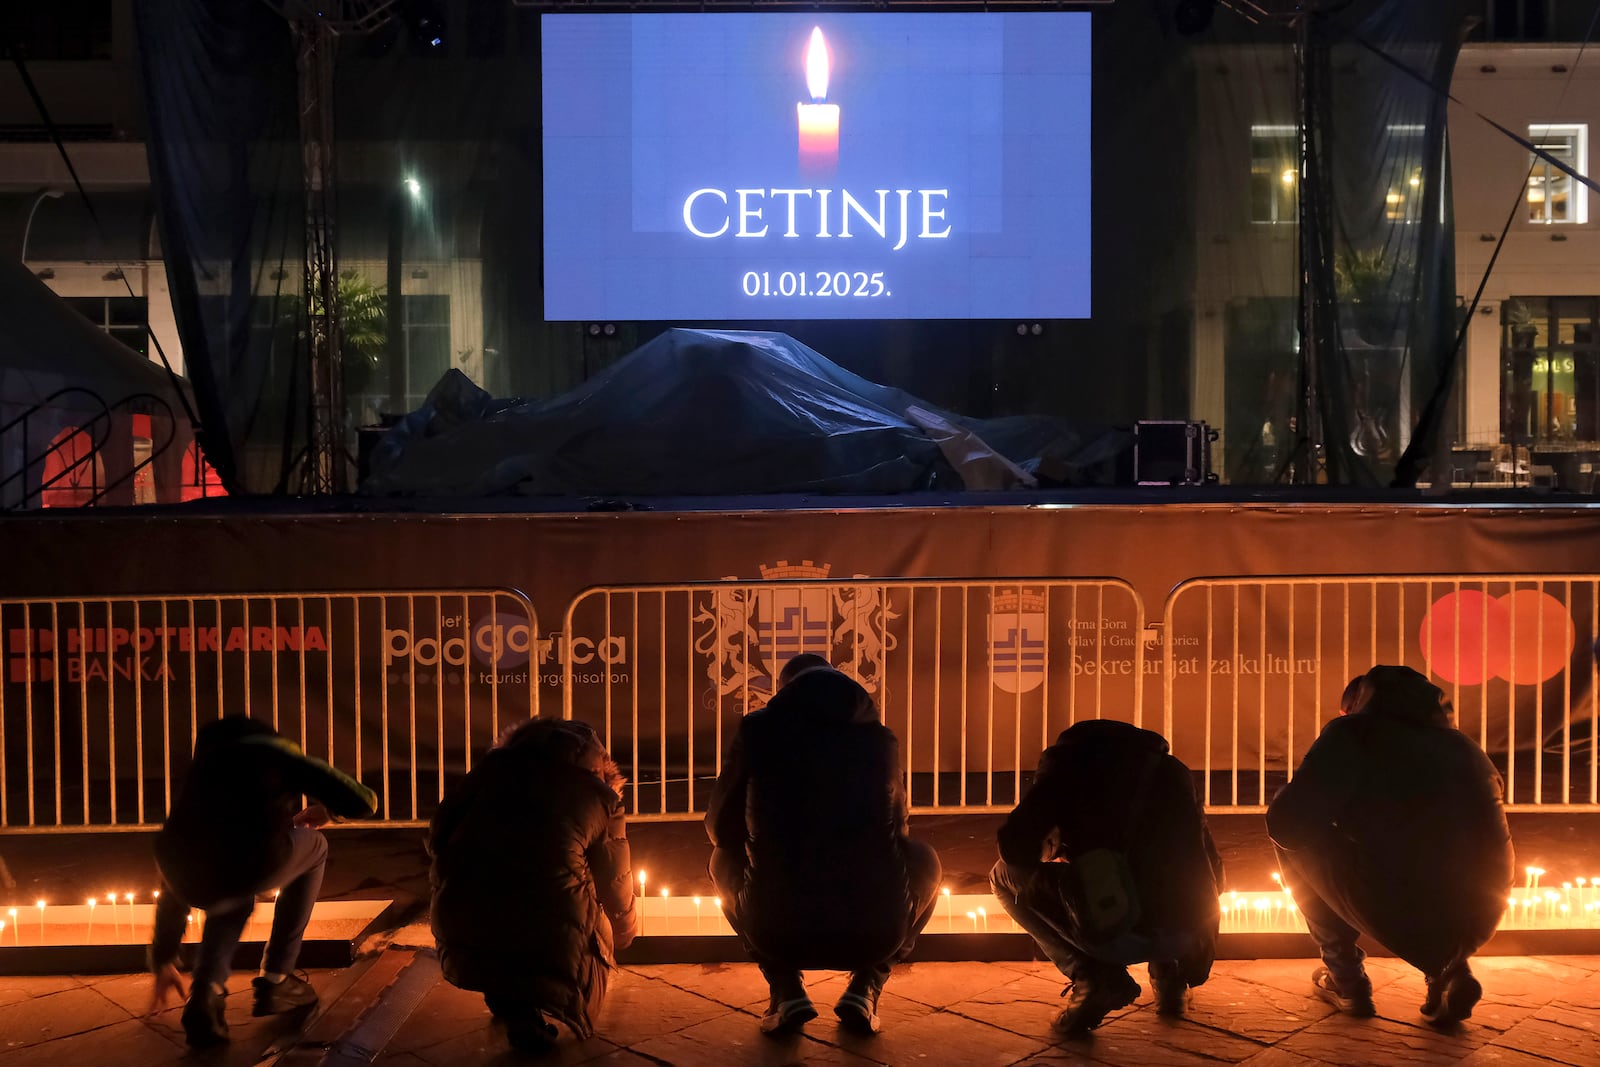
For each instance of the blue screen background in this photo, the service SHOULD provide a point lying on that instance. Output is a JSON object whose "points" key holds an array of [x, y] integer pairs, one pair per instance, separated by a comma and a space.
{"points": [[641, 110]]}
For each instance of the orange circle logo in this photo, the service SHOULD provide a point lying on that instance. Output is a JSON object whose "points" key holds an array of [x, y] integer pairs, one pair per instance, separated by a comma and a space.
{"points": [[1524, 637]]}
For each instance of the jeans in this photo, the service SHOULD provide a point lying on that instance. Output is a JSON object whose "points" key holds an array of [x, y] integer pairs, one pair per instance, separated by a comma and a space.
{"points": [[923, 871], [1032, 897], [298, 881], [1429, 929]]}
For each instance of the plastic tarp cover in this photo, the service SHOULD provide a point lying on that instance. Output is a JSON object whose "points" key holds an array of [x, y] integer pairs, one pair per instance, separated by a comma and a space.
{"points": [[690, 413]]}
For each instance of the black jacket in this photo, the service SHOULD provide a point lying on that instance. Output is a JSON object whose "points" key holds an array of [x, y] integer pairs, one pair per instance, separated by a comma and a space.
{"points": [[1415, 799], [812, 794], [528, 852], [227, 834], [1084, 789], [228, 831]]}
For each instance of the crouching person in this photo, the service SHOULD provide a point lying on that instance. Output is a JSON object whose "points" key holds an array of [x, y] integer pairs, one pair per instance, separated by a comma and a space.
{"points": [[1388, 796], [812, 855], [1107, 861], [532, 887], [236, 830]]}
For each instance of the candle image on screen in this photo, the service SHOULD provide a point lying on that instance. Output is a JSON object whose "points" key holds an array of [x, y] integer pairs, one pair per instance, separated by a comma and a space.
{"points": [[819, 122]]}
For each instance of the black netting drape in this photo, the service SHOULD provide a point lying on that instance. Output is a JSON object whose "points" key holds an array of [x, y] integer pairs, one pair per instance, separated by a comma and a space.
{"points": [[224, 158], [1379, 237]]}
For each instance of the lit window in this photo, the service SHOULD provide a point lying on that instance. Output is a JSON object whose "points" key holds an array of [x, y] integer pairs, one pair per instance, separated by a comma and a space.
{"points": [[1274, 173], [1552, 194]]}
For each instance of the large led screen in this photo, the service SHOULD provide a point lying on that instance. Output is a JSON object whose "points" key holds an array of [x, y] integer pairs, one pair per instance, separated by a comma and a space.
{"points": [[728, 166]]}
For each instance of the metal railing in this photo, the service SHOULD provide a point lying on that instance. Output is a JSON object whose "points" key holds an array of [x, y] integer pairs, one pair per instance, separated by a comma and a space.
{"points": [[80, 450], [975, 678], [1254, 667], [101, 699]]}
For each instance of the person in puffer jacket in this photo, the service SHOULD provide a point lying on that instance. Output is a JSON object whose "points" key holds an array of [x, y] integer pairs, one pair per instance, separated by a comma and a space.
{"points": [[813, 855], [1393, 828], [1108, 788], [532, 880]]}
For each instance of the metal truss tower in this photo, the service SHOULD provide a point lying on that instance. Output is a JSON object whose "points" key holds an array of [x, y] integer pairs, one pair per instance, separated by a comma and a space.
{"points": [[317, 26]]}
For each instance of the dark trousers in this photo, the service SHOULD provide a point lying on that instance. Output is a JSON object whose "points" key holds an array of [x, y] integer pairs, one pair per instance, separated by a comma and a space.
{"points": [[730, 874], [1032, 896], [1429, 926], [297, 882]]}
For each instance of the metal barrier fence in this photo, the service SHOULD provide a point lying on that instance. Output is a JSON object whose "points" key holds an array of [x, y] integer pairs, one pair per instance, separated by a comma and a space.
{"points": [[100, 699], [1253, 668], [975, 678]]}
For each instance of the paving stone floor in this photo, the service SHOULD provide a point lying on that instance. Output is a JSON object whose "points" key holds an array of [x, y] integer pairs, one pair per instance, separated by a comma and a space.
{"points": [[1536, 1010]]}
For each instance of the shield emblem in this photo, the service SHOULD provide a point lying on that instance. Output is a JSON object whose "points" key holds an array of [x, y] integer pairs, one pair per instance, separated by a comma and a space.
{"points": [[1016, 640]]}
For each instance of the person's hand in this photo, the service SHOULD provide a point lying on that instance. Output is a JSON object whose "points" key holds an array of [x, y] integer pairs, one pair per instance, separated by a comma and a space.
{"points": [[1050, 847], [167, 982], [313, 817]]}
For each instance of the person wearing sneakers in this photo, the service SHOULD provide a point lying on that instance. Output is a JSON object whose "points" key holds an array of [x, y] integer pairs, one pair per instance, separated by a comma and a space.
{"points": [[812, 850], [237, 831], [532, 880], [1389, 795], [1107, 861]]}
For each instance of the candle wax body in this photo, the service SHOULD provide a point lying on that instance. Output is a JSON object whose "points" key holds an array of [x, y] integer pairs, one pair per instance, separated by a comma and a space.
{"points": [[819, 138]]}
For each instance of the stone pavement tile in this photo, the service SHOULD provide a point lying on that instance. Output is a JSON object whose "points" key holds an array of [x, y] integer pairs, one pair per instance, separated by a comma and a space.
{"points": [[1499, 1056], [738, 985], [248, 1037], [54, 1015], [125, 1044], [914, 1034], [1339, 1039], [638, 1009], [939, 985], [1498, 1011], [1143, 1037], [445, 1012], [14, 988], [736, 1038], [1067, 1054], [1025, 1006], [1277, 1057], [1557, 1033], [487, 1045], [1253, 1010], [401, 1059], [1290, 976]]}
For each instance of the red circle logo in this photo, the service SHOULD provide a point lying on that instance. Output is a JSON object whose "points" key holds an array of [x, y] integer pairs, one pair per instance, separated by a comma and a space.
{"points": [[1524, 637]]}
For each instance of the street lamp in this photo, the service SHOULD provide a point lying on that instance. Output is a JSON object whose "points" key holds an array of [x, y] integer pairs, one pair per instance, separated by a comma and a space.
{"points": [[41, 197]]}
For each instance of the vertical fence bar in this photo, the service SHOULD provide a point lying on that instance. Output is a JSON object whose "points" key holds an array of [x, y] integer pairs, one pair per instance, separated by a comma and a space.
{"points": [[1261, 700]]}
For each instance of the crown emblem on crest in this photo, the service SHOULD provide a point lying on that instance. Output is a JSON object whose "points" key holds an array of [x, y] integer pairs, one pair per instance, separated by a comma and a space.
{"points": [[1018, 600], [804, 569]]}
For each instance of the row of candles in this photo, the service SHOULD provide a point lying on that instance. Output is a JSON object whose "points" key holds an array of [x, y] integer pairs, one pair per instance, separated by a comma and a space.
{"points": [[1574, 904], [121, 912]]}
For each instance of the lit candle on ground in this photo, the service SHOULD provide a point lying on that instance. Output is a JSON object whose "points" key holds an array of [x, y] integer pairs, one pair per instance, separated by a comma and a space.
{"points": [[666, 923], [697, 915], [643, 898], [2, 931], [974, 917], [127, 898], [40, 905], [90, 938], [985, 917], [16, 928], [819, 122], [111, 902], [949, 912]]}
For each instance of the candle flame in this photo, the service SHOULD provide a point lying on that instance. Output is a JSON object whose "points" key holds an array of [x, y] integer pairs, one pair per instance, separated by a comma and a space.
{"points": [[697, 902], [817, 66], [128, 897], [91, 903], [946, 889], [39, 904]]}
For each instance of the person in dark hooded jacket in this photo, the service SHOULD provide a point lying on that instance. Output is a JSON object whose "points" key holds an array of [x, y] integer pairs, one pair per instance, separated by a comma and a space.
{"points": [[1107, 786], [237, 830], [812, 854], [532, 880], [1393, 828]]}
